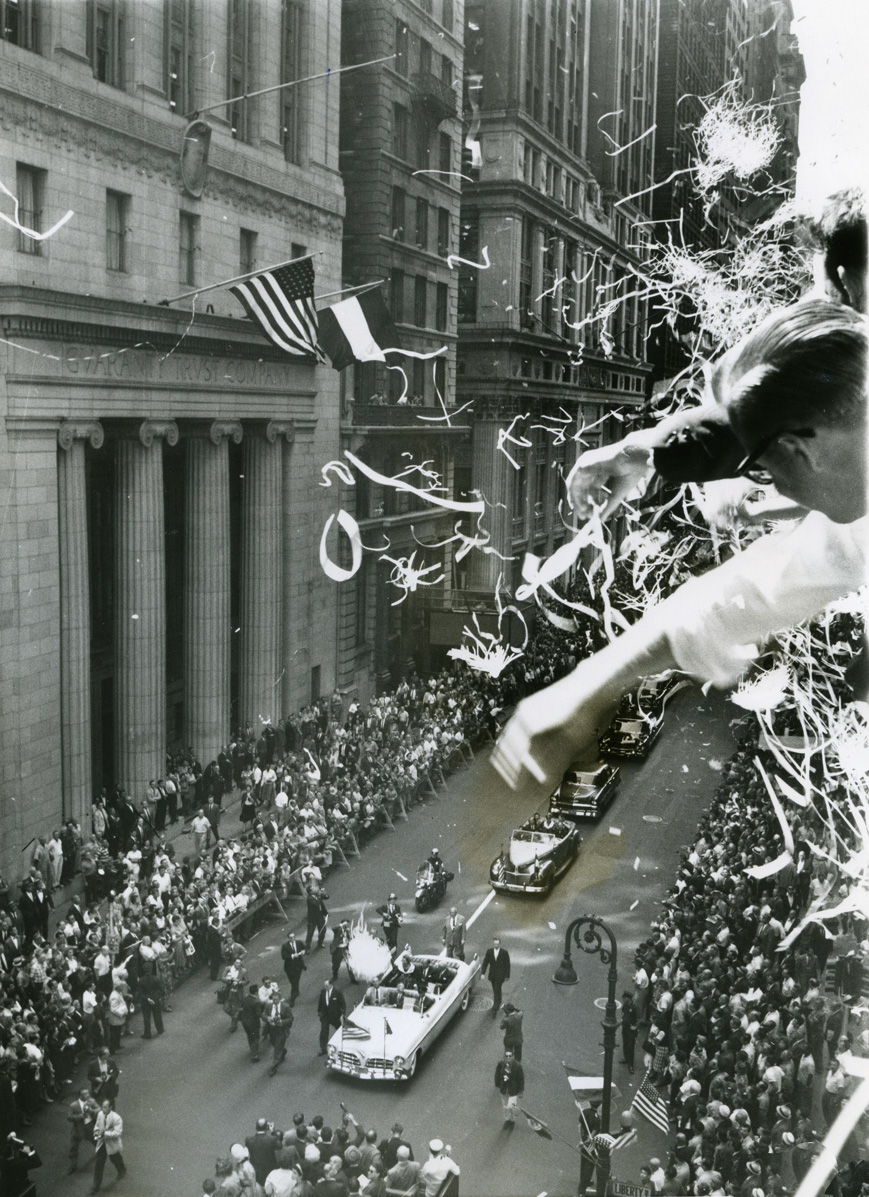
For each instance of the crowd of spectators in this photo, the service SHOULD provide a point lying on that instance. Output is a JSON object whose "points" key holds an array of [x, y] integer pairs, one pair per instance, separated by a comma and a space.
{"points": [[313, 787], [747, 1042], [310, 1159], [739, 1035]]}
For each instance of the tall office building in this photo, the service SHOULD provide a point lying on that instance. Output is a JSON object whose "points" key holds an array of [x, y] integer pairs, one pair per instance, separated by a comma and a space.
{"points": [[559, 117], [400, 161], [158, 553]]}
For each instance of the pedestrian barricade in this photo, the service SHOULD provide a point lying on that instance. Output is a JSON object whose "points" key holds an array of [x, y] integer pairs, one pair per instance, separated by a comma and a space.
{"points": [[239, 923]]}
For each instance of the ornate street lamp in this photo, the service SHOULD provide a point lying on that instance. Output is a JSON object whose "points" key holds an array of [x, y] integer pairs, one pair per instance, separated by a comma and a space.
{"points": [[586, 935]]}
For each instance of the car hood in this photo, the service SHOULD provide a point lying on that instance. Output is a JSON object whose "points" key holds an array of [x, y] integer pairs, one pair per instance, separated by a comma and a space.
{"points": [[390, 1031], [522, 853]]}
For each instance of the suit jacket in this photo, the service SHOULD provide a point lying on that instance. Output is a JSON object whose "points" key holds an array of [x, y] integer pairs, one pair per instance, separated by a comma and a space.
{"points": [[498, 970], [511, 1082], [108, 1129], [316, 909], [454, 937], [262, 1148], [333, 1010], [109, 1086], [511, 1025]]}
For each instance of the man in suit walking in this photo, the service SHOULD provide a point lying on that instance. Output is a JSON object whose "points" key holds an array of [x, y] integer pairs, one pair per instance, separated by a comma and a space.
{"points": [[496, 964], [331, 1008], [510, 1083], [317, 917], [278, 1016], [454, 934], [108, 1129], [293, 956], [82, 1116], [103, 1073]]}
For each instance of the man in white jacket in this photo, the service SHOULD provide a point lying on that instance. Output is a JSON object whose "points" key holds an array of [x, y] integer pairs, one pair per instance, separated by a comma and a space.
{"points": [[108, 1128]]}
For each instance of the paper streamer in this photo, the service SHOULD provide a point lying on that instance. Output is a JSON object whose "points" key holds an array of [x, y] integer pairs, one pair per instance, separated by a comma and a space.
{"points": [[770, 868], [32, 233], [452, 259], [787, 834], [336, 572], [477, 507]]}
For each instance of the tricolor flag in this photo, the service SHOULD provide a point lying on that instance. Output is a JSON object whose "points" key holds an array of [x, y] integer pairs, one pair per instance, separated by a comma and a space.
{"points": [[539, 1128], [282, 302], [649, 1102], [359, 329], [387, 1029], [587, 1090]]}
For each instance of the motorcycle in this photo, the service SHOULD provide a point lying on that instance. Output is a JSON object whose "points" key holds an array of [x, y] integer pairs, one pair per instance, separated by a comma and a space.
{"points": [[430, 886]]}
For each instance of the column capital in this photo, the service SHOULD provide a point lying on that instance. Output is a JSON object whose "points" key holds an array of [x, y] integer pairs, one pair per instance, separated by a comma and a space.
{"points": [[277, 428], [225, 428], [79, 430], [214, 430], [151, 430]]}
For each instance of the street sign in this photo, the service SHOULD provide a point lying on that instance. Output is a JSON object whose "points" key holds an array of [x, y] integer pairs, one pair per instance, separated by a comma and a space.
{"points": [[624, 1188]]}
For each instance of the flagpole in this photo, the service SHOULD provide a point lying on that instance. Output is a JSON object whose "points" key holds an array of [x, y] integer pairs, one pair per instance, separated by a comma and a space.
{"points": [[242, 278], [346, 290], [251, 95]]}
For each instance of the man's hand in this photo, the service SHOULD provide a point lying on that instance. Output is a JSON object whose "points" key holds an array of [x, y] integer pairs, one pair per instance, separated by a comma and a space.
{"points": [[548, 730], [602, 478]]}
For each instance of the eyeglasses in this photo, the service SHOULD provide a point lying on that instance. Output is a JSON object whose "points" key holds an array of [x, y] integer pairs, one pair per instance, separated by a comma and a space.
{"points": [[745, 466]]}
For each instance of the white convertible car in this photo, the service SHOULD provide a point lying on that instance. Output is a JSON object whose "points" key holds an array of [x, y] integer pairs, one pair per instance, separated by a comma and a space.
{"points": [[392, 1027]]}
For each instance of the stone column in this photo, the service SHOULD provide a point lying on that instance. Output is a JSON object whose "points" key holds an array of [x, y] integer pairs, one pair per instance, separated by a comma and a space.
{"points": [[290, 567], [206, 587], [140, 606], [491, 474], [75, 630], [261, 576]]}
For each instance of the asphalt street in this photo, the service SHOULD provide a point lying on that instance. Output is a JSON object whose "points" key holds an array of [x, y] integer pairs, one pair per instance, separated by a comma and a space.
{"points": [[188, 1095]]}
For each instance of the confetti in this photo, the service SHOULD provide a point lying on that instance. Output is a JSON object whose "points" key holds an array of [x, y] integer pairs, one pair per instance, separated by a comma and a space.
{"points": [[615, 831]]}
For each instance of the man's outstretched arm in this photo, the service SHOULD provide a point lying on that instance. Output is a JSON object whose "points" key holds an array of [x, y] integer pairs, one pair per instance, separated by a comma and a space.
{"points": [[560, 724]]}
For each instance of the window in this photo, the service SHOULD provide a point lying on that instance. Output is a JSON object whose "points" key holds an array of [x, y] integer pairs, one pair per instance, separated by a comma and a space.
{"points": [[526, 314], [440, 378], [398, 207], [418, 391], [399, 131], [188, 249], [247, 239], [291, 68], [178, 54], [117, 208], [447, 70], [443, 231], [445, 153], [420, 302], [297, 250], [442, 299], [422, 223], [396, 295], [402, 52], [424, 56], [106, 40], [31, 190], [448, 19], [20, 23], [475, 46], [238, 63]]}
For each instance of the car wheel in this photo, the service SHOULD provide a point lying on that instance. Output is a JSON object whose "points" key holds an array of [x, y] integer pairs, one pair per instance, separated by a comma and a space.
{"points": [[411, 1068], [466, 1001]]}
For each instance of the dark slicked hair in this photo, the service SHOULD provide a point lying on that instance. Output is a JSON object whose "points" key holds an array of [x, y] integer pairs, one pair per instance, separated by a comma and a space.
{"points": [[803, 366]]}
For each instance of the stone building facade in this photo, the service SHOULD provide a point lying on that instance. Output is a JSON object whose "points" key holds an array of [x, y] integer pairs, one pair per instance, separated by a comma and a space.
{"points": [[159, 464]]}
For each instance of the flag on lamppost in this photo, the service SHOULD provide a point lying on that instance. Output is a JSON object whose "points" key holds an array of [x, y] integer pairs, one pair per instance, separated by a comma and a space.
{"points": [[648, 1102]]}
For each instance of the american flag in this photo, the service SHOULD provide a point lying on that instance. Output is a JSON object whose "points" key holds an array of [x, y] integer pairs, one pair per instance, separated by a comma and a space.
{"points": [[282, 302], [352, 1030], [648, 1102]]}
